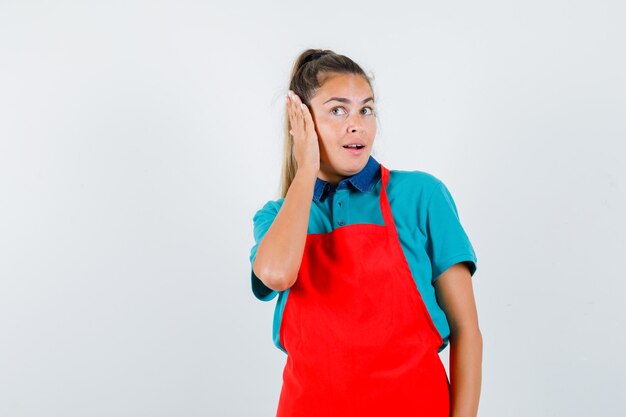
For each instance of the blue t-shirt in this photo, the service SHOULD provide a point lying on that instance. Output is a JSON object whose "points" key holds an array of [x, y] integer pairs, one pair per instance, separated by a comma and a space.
{"points": [[425, 215]]}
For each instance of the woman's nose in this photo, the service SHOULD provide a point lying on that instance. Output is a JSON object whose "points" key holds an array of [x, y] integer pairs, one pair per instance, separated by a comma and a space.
{"points": [[355, 124]]}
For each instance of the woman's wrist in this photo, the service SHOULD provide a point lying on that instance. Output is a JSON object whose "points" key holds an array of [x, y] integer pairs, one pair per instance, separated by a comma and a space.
{"points": [[308, 174]]}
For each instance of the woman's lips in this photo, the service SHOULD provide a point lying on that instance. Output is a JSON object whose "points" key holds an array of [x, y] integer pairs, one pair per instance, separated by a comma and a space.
{"points": [[355, 151]]}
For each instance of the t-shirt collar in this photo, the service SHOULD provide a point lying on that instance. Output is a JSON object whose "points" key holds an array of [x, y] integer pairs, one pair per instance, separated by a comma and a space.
{"points": [[363, 181]]}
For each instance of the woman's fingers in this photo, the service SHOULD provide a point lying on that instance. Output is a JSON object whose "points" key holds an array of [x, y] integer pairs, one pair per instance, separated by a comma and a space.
{"points": [[303, 120], [308, 119], [307, 122], [290, 113], [296, 116], [302, 130], [297, 104]]}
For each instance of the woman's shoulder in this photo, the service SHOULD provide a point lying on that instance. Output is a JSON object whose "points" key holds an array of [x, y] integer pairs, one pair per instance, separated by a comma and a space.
{"points": [[414, 180], [270, 208]]}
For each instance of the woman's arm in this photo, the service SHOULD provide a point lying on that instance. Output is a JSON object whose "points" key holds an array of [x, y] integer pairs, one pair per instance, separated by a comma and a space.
{"points": [[279, 254], [456, 297]]}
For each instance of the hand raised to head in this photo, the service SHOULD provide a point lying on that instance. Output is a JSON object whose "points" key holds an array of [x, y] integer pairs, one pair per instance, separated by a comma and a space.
{"points": [[305, 142]]}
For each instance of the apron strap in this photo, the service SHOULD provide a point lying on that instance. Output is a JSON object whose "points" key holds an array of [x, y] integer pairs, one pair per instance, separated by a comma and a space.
{"points": [[385, 208]]}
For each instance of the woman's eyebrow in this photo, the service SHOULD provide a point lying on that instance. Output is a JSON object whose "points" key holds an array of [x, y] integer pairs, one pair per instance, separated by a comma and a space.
{"points": [[345, 100]]}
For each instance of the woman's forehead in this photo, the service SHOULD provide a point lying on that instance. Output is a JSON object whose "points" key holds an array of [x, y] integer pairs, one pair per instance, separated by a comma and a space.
{"points": [[352, 87]]}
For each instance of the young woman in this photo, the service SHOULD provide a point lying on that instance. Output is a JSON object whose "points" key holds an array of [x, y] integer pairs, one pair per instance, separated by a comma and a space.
{"points": [[372, 267]]}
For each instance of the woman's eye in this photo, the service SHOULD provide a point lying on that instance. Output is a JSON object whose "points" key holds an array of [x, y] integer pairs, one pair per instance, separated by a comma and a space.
{"points": [[340, 111]]}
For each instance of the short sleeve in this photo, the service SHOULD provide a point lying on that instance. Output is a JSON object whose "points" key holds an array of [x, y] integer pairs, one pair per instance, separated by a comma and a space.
{"points": [[262, 221], [448, 243]]}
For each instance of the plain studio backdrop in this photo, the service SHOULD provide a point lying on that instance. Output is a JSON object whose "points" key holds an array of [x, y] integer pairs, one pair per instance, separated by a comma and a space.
{"points": [[138, 139]]}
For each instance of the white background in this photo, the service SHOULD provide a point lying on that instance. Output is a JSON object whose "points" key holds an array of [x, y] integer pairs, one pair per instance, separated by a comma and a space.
{"points": [[137, 140]]}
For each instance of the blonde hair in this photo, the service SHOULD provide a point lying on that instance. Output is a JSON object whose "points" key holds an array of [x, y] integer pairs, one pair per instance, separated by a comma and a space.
{"points": [[311, 68]]}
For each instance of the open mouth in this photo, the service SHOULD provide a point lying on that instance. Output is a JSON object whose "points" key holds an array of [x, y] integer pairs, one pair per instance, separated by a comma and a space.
{"points": [[354, 146]]}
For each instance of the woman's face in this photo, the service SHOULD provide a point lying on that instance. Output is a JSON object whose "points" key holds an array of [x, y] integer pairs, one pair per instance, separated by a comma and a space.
{"points": [[343, 112]]}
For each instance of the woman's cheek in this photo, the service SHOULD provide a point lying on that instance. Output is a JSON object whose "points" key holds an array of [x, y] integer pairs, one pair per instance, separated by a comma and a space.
{"points": [[332, 119], [371, 124]]}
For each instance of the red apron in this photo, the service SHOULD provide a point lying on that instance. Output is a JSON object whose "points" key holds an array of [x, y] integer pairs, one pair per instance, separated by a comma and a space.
{"points": [[358, 337]]}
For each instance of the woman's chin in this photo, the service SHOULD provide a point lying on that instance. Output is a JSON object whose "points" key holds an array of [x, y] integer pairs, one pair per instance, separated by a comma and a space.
{"points": [[354, 165], [349, 168]]}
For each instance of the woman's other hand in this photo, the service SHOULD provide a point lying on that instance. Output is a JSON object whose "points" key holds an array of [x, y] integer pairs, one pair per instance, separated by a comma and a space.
{"points": [[305, 144]]}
